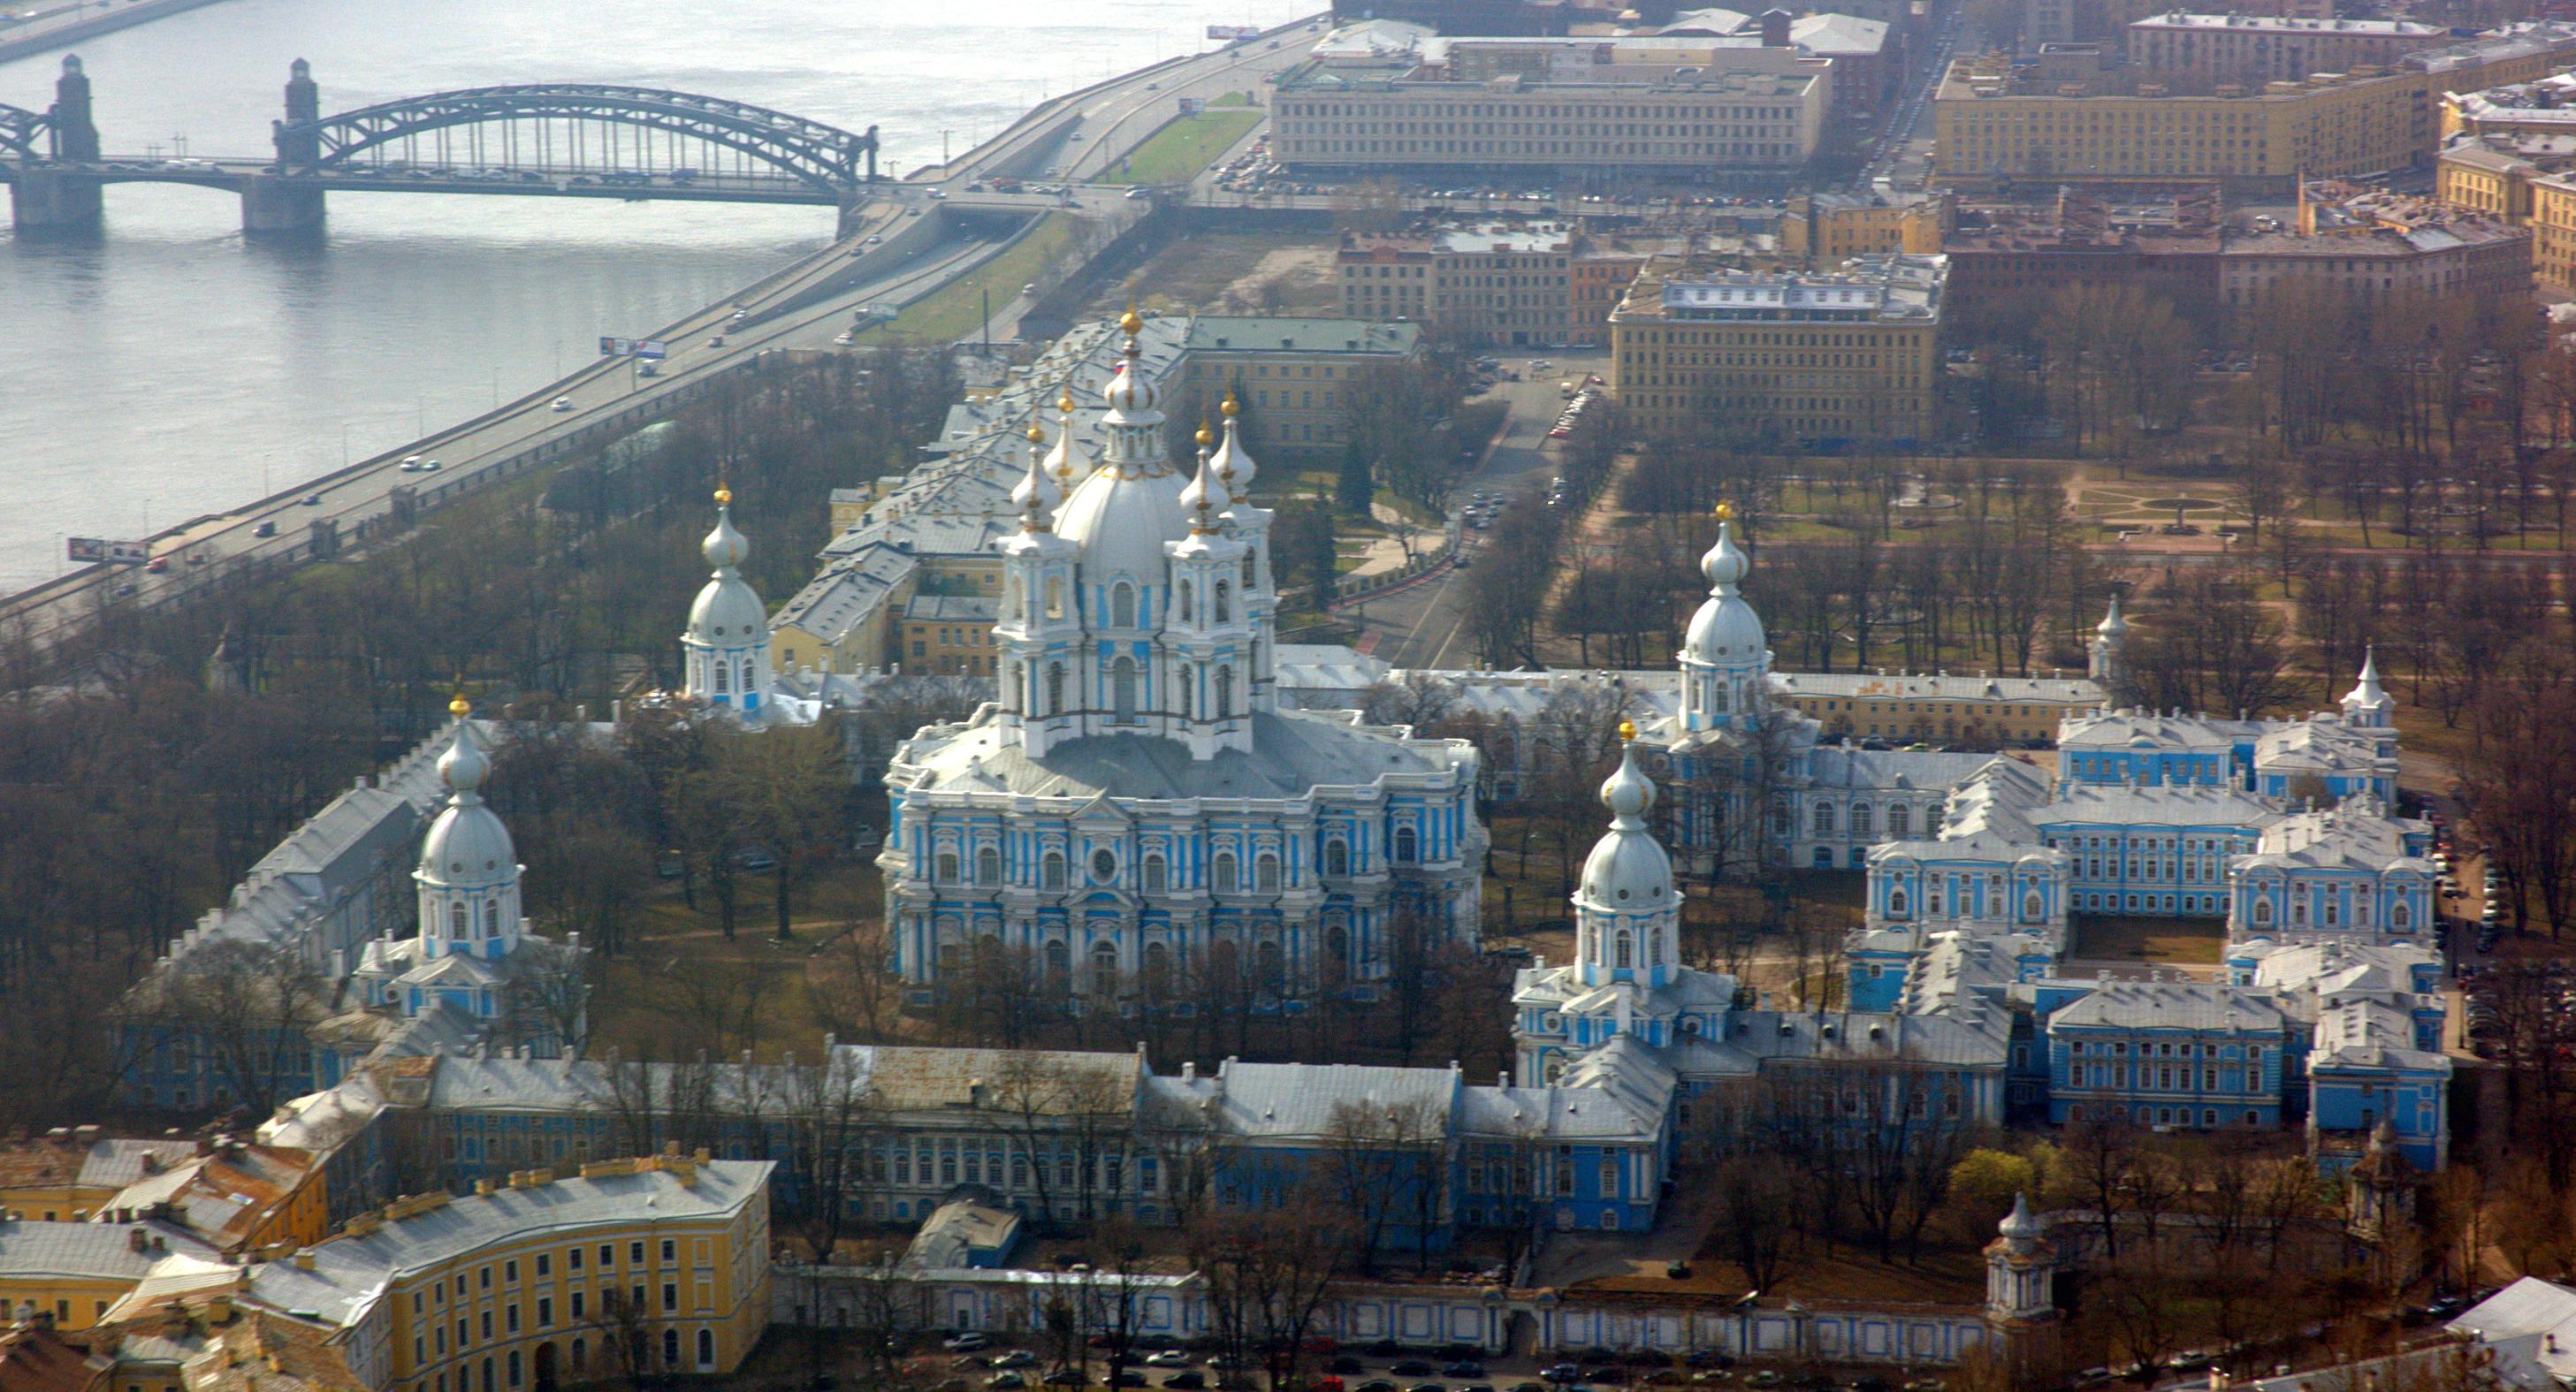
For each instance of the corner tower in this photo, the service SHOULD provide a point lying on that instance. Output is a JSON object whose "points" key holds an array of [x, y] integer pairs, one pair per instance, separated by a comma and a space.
{"points": [[725, 648], [1725, 655], [1625, 906], [468, 876]]}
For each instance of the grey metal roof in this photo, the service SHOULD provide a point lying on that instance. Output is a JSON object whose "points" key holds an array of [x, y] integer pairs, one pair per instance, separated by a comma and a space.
{"points": [[88, 1251], [1299, 1101], [350, 1272], [2370, 1031], [2159, 806], [1292, 754], [2180, 1005], [1941, 686]]}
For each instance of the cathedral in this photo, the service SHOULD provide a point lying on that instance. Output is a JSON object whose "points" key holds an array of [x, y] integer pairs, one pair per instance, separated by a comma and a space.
{"points": [[1136, 807]]}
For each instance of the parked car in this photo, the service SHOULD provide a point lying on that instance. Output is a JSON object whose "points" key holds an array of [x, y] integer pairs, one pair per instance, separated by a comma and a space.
{"points": [[1006, 1382], [971, 1340], [1016, 1358], [1169, 1358]]}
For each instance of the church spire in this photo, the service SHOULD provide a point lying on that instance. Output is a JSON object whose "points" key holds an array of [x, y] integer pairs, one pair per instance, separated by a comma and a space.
{"points": [[725, 648], [2368, 703]]}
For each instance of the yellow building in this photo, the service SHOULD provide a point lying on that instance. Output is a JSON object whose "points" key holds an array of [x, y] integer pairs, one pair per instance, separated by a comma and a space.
{"points": [[1907, 706], [66, 1174], [1292, 373], [77, 1271], [2553, 231], [1850, 355], [1992, 122], [1827, 229]]}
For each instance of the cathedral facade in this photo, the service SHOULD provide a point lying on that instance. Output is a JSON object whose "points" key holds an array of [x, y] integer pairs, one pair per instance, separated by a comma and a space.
{"points": [[1136, 808]]}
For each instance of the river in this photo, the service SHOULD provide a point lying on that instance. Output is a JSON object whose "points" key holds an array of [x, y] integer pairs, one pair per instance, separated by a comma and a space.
{"points": [[170, 368]]}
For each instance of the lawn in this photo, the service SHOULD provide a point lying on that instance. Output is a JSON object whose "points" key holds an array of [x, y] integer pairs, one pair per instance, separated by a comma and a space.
{"points": [[954, 310], [1183, 150], [2143, 938]]}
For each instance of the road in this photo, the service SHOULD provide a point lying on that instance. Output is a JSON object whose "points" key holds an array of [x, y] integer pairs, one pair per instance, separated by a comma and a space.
{"points": [[1424, 625], [802, 306], [54, 23], [1903, 153]]}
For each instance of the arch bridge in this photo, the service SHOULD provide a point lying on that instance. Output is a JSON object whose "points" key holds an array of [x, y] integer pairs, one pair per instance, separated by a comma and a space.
{"points": [[599, 130], [24, 134]]}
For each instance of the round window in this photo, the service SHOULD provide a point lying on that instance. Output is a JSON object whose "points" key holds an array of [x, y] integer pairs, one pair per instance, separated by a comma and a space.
{"points": [[1104, 866]]}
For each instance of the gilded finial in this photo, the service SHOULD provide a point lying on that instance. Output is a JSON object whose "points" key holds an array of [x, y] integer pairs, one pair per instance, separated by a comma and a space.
{"points": [[1205, 436], [460, 707], [724, 497], [1725, 511], [1064, 402], [1036, 435], [1231, 408], [1131, 323], [1627, 731]]}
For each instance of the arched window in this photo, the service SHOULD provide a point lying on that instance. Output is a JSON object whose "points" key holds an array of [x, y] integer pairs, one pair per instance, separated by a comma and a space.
{"points": [[947, 868], [1337, 857], [1717, 695], [1156, 878], [460, 922], [1225, 693], [1059, 963], [1122, 690], [1011, 596], [1900, 821], [706, 1349], [1623, 949], [1224, 603], [1104, 968], [1270, 965], [1189, 613], [744, 685], [1251, 574], [670, 1349], [1221, 873], [2262, 911], [724, 673], [2299, 909], [1337, 947], [1265, 873], [1158, 964], [1860, 819], [2398, 915], [1406, 846], [1055, 688], [2334, 913], [988, 866], [1104, 865], [1122, 605], [1054, 597], [1824, 819], [1051, 870], [580, 1354], [2031, 910], [1896, 903]]}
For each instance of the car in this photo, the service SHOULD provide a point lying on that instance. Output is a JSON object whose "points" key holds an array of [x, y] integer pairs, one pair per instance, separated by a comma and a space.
{"points": [[411, 464], [874, 239], [843, 339], [1376, 1385], [562, 404], [430, 466], [1016, 1358], [1561, 1372], [741, 315], [312, 500], [1006, 1382], [1169, 1358], [157, 565], [971, 1340], [1136, 193], [265, 529], [716, 342], [939, 193]]}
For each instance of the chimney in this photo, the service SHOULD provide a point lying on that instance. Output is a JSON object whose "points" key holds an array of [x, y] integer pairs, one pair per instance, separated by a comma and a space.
{"points": [[85, 1135], [1775, 28], [137, 1240], [303, 1259], [1189, 1070]]}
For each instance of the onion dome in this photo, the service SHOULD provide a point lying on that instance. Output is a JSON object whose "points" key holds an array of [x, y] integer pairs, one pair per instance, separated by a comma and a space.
{"points": [[1064, 461], [466, 844], [727, 612], [1628, 868], [1234, 466], [1129, 393], [2021, 1225], [1204, 496], [1725, 631], [1036, 496], [2113, 625], [2367, 691]]}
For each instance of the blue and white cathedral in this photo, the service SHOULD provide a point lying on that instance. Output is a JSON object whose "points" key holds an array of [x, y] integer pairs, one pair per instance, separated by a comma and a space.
{"points": [[724, 652], [1136, 808]]}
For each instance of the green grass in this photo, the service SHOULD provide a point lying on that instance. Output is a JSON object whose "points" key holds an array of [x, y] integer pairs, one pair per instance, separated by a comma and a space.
{"points": [[1183, 150], [1233, 99], [952, 311]]}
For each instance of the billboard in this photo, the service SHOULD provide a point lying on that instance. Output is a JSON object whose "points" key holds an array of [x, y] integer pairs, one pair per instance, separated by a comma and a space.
{"points": [[1192, 106], [615, 347], [1232, 33], [651, 348], [112, 552], [632, 347]]}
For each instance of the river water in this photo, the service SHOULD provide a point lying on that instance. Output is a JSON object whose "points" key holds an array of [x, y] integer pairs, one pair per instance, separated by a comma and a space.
{"points": [[170, 368]]}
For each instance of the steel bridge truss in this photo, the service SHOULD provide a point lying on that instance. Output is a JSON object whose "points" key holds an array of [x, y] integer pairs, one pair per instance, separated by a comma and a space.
{"points": [[27, 134], [827, 157]]}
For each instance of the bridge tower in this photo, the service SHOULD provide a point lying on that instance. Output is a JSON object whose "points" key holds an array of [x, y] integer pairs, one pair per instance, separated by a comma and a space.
{"points": [[75, 133], [299, 142], [45, 199], [290, 200]]}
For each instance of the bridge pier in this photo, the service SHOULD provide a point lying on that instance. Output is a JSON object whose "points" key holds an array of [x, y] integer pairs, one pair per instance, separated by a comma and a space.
{"points": [[274, 204], [47, 200]]}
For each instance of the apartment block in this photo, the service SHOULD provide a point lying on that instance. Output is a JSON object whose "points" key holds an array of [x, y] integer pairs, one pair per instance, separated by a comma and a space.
{"points": [[1498, 284], [2254, 49], [1850, 354]]}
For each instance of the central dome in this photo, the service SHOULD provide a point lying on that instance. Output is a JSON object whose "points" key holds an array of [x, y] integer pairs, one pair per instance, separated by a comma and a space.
{"points": [[1121, 522]]}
